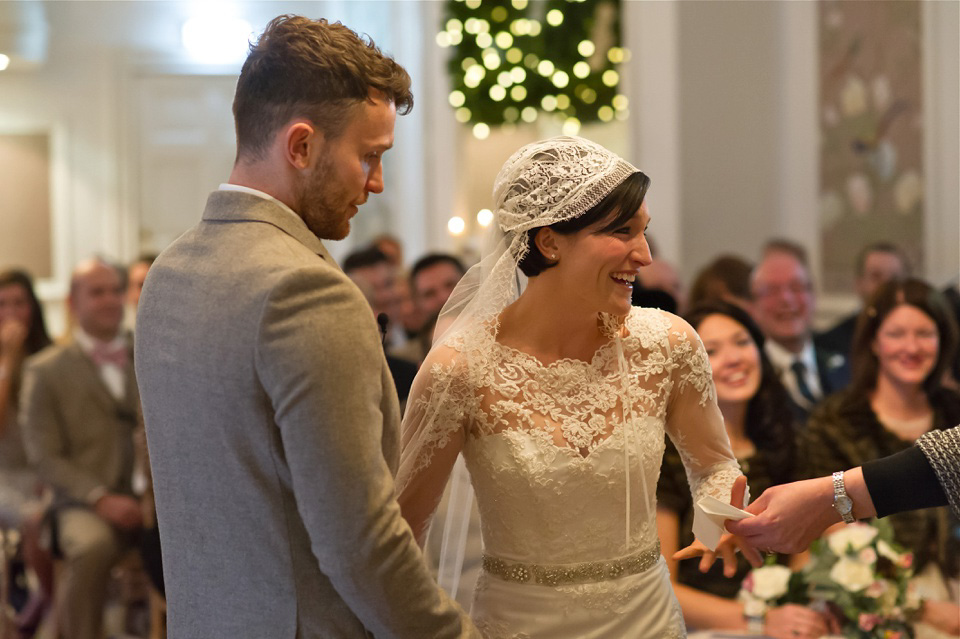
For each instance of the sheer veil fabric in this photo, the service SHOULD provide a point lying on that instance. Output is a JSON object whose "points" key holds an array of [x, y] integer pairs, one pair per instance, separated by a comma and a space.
{"points": [[564, 457]]}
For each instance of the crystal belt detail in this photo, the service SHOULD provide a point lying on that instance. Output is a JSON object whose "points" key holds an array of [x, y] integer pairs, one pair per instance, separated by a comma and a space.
{"points": [[563, 574]]}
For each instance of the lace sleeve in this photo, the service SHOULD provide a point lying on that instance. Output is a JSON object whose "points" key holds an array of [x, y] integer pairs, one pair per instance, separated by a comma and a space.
{"points": [[432, 435], [694, 422]]}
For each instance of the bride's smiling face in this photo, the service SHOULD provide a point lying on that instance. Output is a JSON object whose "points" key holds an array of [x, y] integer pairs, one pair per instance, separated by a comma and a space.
{"points": [[600, 266]]}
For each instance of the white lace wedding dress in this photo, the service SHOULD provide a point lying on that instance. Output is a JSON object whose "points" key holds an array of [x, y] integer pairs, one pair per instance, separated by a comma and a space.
{"points": [[568, 526]]}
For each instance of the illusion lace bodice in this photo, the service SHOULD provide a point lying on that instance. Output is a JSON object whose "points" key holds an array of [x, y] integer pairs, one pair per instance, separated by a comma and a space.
{"points": [[564, 457]]}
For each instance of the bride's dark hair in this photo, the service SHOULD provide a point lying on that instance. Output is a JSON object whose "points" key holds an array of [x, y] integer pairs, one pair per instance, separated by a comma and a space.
{"points": [[619, 206]]}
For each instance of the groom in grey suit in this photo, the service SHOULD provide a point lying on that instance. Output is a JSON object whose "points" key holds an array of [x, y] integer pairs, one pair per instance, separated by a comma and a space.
{"points": [[271, 416]]}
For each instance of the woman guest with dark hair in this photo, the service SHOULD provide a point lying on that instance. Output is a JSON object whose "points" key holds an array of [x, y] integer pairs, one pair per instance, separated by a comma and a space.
{"points": [[905, 339], [22, 333], [757, 418]]}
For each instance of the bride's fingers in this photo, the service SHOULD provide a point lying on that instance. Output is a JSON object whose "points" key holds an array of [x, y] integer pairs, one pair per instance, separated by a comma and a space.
{"points": [[707, 560], [687, 553], [728, 551]]}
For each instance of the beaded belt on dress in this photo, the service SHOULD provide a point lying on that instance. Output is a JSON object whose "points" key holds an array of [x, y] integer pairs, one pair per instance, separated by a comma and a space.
{"points": [[562, 574]]}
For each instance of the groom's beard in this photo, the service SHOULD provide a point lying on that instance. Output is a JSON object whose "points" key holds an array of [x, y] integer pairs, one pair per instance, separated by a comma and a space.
{"points": [[325, 206]]}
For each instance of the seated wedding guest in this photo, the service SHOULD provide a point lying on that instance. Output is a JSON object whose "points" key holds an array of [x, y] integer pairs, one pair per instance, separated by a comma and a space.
{"points": [[904, 341], [726, 278], [372, 266], [22, 334], [876, 264], [783, 305], [432, 280], [79, 408], [757, 418]]}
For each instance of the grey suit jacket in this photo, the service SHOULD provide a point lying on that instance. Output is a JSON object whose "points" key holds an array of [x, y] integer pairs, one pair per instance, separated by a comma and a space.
{"points": [[79, 437], [272, 425]]}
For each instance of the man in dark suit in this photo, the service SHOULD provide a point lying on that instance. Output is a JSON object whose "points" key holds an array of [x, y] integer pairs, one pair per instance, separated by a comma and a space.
{"points": [[783, 305], [79, 408], [271, 417]]}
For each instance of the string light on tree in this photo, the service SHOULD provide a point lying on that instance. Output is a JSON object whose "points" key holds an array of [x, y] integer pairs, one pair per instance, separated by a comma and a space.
{"points": [[509, 56]]}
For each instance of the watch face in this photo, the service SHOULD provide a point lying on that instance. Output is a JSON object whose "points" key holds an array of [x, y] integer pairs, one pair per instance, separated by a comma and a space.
{"points": [[843, 504]]}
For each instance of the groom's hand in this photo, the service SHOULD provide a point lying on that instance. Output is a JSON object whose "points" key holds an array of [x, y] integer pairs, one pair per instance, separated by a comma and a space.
{"points": [[729, 543]]}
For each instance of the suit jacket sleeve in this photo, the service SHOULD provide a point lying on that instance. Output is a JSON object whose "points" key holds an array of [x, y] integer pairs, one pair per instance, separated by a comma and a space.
{"points": [[42, 429], [320, 360]]}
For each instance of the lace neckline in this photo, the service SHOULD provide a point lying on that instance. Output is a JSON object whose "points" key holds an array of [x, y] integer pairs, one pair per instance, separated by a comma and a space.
{"points": [[610, 327]]}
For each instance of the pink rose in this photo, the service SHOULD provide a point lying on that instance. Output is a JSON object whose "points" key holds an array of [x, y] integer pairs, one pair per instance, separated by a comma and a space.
{"points": [[748, 582], [906, 560], [868, 622], [868, 555]]}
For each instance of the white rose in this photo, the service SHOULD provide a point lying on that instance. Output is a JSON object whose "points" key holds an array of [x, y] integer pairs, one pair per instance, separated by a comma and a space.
{"points": [[852, 574], [770, 582], [851, 538]]}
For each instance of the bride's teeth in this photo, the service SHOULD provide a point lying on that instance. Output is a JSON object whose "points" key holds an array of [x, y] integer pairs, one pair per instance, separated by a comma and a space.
{"points": [[624, 278]]}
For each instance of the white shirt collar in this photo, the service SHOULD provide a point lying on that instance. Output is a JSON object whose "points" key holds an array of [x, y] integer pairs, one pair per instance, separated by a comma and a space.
{"points": [[87, 342], [781, 358], [262, 195]]}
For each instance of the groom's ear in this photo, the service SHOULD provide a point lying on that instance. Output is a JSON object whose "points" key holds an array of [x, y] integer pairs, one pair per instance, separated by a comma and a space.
{"points": [[301, 143], [546, 242]]}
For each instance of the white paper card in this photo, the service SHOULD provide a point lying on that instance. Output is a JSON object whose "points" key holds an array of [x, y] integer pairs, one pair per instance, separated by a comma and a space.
{"points": [[708, 518]]}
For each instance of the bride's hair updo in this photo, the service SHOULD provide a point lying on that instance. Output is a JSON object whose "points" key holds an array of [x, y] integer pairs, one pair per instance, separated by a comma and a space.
{"points": [[567, 184]]}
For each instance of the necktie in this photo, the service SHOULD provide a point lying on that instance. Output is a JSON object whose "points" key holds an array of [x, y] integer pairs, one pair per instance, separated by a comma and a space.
{"points": [[800, 374], [104, 354]]}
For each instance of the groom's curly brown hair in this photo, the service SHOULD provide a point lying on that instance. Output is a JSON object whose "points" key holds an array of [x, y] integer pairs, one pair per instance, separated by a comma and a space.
{"points": [[311, 69]]}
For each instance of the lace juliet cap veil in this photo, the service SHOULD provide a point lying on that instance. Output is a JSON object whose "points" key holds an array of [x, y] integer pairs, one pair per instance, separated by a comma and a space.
{"points": [[543, 183]]}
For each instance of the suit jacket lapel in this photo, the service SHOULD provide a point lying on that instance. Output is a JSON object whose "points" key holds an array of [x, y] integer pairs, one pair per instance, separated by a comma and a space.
{"points": [[237, 206]]}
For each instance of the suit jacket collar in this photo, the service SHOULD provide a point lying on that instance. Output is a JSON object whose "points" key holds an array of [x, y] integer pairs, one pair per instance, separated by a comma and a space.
{"points": [[236, 206]]}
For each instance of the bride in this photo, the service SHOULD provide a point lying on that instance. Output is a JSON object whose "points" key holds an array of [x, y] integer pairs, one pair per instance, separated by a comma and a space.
{"points": [[558, 394]]}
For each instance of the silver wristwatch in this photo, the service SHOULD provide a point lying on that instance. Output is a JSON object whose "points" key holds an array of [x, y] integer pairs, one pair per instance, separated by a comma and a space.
{"points": [[841, 501]]}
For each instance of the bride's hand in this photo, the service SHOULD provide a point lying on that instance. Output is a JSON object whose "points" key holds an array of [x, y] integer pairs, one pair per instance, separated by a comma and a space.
{"points": [[729, 543]]}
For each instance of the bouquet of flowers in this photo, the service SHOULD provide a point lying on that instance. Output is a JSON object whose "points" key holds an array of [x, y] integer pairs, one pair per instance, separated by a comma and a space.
{"points": [[865, 575]]}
